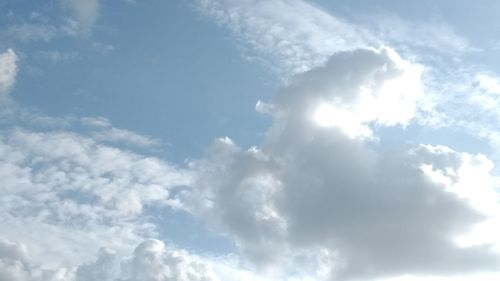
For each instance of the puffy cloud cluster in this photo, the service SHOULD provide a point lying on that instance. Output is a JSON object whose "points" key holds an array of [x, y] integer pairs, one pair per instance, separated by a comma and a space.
{"points": [[151, 261], [64, 185], [319, 199]]}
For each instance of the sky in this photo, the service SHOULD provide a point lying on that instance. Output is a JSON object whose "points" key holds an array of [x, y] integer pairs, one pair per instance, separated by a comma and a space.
{"points": [[249, 140]]}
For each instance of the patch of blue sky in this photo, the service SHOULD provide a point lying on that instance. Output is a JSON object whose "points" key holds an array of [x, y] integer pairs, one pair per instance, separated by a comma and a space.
{"points": [[166, 73]]}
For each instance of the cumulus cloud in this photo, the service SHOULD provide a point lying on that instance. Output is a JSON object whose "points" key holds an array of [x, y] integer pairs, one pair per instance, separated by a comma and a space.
{"points": [[315, 196], [151, 260], [314, 201], [8, 71], [354, 89], [13, 261]]}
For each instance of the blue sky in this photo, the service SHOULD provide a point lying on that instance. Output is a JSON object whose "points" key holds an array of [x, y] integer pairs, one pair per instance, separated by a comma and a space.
{"points": [[249, 140]]}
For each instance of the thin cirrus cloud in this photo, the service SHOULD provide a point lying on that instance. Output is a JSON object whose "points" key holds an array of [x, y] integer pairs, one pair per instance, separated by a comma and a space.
{"points": [[298, 38], [302, 36]]}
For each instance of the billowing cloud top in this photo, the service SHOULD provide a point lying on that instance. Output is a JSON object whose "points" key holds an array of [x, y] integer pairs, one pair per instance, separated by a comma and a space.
{"points": [[320, 193]]}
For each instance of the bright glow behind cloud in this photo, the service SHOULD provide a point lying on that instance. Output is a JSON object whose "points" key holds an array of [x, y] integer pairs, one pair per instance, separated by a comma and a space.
{"points": [[390, 102]]}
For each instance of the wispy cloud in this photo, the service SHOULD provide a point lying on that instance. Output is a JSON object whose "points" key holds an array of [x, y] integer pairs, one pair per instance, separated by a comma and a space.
{"points": [[83, 16], [102, 130], [296, 35], [417, 36], [27, 32], [8, 71]]}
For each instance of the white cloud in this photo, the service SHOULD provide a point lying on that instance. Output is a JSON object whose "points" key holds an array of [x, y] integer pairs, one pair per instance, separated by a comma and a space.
{"points": [[27, 32], [309, 189], [151, 260], [105, 132], [84, 14], [371, 214], [488, 94], [59, 186], [297, 35], [312, 202], [8, 71], [385, 92], [463, 100], [429, 35]]}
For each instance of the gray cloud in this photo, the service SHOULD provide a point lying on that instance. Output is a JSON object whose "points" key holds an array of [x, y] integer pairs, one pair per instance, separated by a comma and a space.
{"points": [[13, 262], [313, 189]]}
